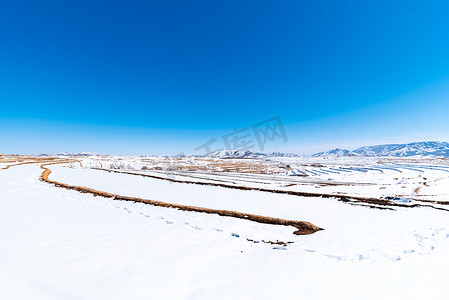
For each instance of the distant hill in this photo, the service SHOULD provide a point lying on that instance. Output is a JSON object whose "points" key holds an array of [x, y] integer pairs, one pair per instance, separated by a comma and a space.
{"points": [[69, 154], [248, 154], [404, 150], [235, 154], [436, 149], [335, 153], [431, 148], [282, 154]]}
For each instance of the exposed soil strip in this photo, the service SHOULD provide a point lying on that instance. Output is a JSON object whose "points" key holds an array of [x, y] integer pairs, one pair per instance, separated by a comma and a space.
{"points": [[343, 198], [302, 227], [238, 187], [277, 242], [31, 161], [432, 201]]}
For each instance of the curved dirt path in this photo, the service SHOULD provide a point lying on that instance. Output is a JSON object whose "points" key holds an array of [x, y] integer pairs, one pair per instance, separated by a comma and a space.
{"points": [[35, 161], [375, 203], [303, 227]]}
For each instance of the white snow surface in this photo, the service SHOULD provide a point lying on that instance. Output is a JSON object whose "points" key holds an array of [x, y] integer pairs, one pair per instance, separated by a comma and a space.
{"points": [[61, 244]]}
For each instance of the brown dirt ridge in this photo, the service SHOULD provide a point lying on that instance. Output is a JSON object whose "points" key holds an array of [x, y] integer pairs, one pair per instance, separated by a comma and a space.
{"points": [[26, 161], [303, 227], [353, 200]]}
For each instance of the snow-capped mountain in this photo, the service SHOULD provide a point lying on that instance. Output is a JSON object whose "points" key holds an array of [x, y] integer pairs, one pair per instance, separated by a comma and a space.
{"points": [[248, 154], [440, 149], [437, 149], [335, 153], [235, 154], [69, 154], [282, 154]]}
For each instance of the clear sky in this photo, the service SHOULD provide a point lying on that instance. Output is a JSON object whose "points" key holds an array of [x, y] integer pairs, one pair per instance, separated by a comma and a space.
{"points": [[163, 77]]}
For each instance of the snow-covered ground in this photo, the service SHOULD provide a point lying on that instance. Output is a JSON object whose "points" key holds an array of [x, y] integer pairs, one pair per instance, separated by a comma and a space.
{"points": [[61, 244], [406, 180]]}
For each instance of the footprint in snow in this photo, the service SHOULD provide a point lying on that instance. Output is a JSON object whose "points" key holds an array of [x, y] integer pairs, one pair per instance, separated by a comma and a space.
{"points": [[334, 256], [279, 248], [408, 251]]}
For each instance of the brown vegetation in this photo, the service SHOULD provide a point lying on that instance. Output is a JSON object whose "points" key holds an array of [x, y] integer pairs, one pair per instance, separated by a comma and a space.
{"points": [[26, 161], [302, 227], [353, 200]]}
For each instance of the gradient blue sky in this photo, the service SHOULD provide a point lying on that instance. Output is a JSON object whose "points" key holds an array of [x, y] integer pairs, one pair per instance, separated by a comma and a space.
{"points": [[163, 77]]}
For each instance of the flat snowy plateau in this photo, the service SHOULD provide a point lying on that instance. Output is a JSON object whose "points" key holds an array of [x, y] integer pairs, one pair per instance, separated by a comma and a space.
{"points": [[57, 243]]}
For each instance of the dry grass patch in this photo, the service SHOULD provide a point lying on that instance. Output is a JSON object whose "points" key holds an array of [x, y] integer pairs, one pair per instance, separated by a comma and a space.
{"points": [[26, 161], [302, 227]]}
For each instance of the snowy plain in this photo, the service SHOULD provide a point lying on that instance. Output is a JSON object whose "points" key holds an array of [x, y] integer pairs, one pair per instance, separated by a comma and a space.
{"points": [[61, 244]]}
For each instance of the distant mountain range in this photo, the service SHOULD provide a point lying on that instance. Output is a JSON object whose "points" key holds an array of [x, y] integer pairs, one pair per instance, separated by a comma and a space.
{"points": [[69, 154], [234, 154], [247, 154], [335, 153], [436, 149]]}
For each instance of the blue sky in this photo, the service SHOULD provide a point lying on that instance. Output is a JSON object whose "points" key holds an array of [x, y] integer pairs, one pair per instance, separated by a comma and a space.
{"points": [[163, 77]]}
